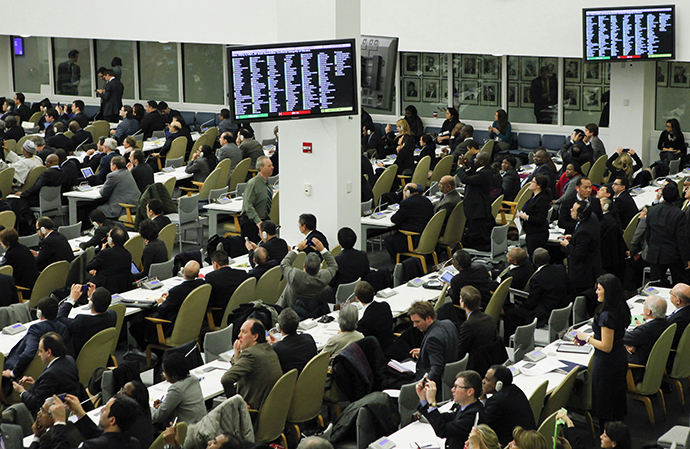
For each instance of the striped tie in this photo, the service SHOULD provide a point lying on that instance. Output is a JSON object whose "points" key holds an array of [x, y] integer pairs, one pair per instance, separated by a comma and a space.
{"points": [[269, 200]]}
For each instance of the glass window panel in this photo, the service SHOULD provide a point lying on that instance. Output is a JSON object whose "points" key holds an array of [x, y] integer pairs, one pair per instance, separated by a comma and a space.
{"points": [[158, 74], [672, 93], [424, 83], [31, 70], [107, 51], [72, 67], [531, 97], [585, 92], [477, 86], [203, 73]]}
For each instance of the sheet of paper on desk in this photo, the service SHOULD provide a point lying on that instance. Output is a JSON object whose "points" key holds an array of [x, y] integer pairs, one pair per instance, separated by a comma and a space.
{"points": [[392, 393], [425, 445], [542, 367], [404, 367]]}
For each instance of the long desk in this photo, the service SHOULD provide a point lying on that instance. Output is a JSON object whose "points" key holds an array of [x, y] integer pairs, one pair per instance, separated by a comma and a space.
{"points": [[232, 207]]}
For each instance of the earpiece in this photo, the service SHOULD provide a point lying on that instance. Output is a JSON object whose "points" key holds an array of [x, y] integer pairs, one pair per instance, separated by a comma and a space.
{"points": [[43, 230], [264, 235], [499, 386]]}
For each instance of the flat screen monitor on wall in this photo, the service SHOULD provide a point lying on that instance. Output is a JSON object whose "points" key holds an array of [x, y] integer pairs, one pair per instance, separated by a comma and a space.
{"points": [[379, 57], [629, 33], [290, 81]]}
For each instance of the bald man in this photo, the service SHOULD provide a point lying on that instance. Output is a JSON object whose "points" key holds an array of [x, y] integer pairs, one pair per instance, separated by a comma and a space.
{"points": [[449, 199], [477, 203], [520, 268], [680, 298], [170, 302], [639, 341]]}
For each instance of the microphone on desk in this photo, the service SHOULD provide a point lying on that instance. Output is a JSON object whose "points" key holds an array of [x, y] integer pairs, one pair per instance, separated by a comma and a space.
{"points": [[81, 144], [136, 133], [431, 187], [206, 123]]}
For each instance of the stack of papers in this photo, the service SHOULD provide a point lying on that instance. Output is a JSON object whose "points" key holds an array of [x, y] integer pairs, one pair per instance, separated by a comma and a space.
{"points": [[404, 367]]}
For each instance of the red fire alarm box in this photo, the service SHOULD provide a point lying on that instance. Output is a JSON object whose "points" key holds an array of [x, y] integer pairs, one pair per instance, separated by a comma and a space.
{"points": [[306, 147]]}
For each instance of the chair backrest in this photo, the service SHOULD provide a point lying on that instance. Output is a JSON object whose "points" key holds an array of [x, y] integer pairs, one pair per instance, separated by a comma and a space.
{"points": [[432, 230], [345, 291], [36, 117], [585, 168], [242, 294], [559, 321], [529, 141], [274, 214], [443, 168], [170, 185], [384, 183], [674, 166], [216, 343], [366, 428], [6, 178], [681, 361], [367, 205], [299, 260], [94, 132], [12, 145], [224, 167], [239, 173], [496, 205], [120, 310], [174, 162], [656, 363], [596, 173], [177, 149], [407, 404], [239, 189], [29, 240], [214, 194], [135, 246], [442, 298], [421, 171], [522, 199], [449, 372], [524, 340], [580, 310], [273, 413], [308, 395], [69, 231], [33, 176], [548, 427], [552, 142], [455, 227], [210, 183], [188, 208], [159, 443], [92, 354], [267, 286], [630, 230], [560, 395], [102, 129], [493, 309], [167, 235], [193, 309], [8, 219], [488, 149], [162, 270], [499, 240], [202, 140], [50, 198], [52, 277], [336, 250], [7, 270], [536, 401]]}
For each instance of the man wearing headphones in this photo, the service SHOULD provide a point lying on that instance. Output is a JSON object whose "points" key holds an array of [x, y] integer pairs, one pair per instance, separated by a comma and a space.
{"points": [[414, 213], [583, 190], [506, 406], [583, 248]]}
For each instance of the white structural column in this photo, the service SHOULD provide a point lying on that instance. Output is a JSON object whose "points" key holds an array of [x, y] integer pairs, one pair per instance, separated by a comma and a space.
{"points": [[331, 173]]}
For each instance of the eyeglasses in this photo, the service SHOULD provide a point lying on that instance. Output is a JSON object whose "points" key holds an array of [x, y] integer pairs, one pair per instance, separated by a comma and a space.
{"points": [[461, 386]]}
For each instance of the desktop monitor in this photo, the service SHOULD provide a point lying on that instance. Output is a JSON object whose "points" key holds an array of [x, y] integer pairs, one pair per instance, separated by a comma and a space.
{"points": [[293, 81], [629, 33], [379, 58]]}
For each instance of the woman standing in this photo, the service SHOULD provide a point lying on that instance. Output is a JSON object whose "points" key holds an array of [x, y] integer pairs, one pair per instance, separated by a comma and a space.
{"points": [[500, 130], [672, 143], [416, 125], [534, 214], [610, 363]]}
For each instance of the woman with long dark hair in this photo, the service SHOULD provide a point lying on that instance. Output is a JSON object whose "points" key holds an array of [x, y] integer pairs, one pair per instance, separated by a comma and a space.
{"points": [[416, 125], [500, 129], [428, 147], [534, 214], [610, 363], [184, 399], [672, 143], [452, 119]]}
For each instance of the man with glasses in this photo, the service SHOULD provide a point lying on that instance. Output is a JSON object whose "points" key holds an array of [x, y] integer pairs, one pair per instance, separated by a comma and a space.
{"points": [[624, 202], [466, 413]]}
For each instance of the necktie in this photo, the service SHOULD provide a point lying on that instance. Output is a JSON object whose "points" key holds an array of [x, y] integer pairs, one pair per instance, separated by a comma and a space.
{"points": [[269, 199]]}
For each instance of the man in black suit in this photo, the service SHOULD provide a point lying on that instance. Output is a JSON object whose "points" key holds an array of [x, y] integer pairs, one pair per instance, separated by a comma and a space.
{"points": [[549, 289], [22, 109], [467, 143], [477, 203], [154, 210], [414, 213], [52, 177], [111, 96], [544, 95], [680, 298], [468, 274], [60, 376], [102, 227], [576, 150], [275, 247], [141, 172], [83, 327], [639, 341], [667, 235], [307, 227], [449, 198], [43, 426], [59, 139], [520, 268], [454, 426], [53, 246], [377, 318], [511, 179], [627, 208], [80, 136], [12, 130], [78, 114], [169, 303], [112, 266], [261, 262], [224, 280], [440, 343], [69, 167], [583, 248], [353, 264], [583, 190], [372, 143], [508, 407], [52, 118], [479, 329], [543, 166], [294, 350], [152, 121]]}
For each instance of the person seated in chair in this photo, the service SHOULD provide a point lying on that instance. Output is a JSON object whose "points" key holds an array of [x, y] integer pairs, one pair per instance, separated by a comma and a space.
{"points": [[276, 247], [154, 210], [112, 267], [377, 318], [413, 215], [155, 250], [224, 281], [353, 264], [479, 329], [475, 275], [261, 262], [520, 269], [294, 350], [440, 344], [53, 246], [639, 341], [84, 326], [102, 227]]}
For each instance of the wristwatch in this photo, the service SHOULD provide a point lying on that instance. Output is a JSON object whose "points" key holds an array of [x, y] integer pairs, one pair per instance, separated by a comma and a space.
{"points": [[588, 338]]}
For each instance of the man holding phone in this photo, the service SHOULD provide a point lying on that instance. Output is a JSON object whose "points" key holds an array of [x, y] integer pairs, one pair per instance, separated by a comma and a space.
{"points": [[83, 327]]}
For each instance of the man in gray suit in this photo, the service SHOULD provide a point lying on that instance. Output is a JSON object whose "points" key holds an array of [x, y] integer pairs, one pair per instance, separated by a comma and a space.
{"points": [[450, 198], [229, 149], [440, 343], [304, 287], [119, 187]]}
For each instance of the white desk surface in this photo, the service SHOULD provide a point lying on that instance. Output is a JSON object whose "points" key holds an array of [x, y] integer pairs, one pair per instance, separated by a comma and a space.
{"points": [[231, 207]]}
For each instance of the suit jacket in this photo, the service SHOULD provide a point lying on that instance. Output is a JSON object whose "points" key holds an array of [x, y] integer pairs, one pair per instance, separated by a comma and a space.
{"points": [[253, 373], [46, 441], [169, 308], [17, 132], [162, 221], [143, 176], [24, 352], [155, 251], [681, 317], [295, 351], [454, 426], [319, 235], [301, 285], [81, 138], [119, 187], [537, 208], [643, 337], [61, 376], [82, 327], [81, 118], [377, 321], [70, 168], [104, 165], [53, 248], [476, 276], [626, 207], [439, 347], [478, 186], [251, 149], [127, 127], [60, 141], [521, 275], [566, 222], [224, 281], [112, 97], [24, 112], [8, 291], [107, 440], [100, 235], [259, 270], [414, 213], [584, 254], [153, 121], [277, 249], [12, 436], [448, 203], [479, 330], [353, 264], [511, 184], [546, 170], [549, 289], [23, 262], [113, 269], [507, 409], [52, 177], [667, 235]]}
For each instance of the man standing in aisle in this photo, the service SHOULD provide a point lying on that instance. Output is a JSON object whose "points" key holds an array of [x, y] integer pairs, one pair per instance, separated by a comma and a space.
{"points": [[111, 95], [257, 199]]}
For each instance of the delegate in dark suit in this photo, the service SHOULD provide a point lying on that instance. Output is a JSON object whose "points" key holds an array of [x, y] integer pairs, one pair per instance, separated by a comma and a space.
{"points": [[413, 215], [143, 176], [61, 376], [24, 352], [295, 351], [377, 321], [319, 236], [52, 177], [477, 205], [95, 437], [81, 118], [643, 337], [439, 347], [60, 141], [84, 326], [477, 331], [224, 281], [70, 168], [447, 203], [477, 277], [23, 263], [153, 121], [626, 206], [113, 269], [161, 221], [566, 221], [667, 238], [584, 254], [100, 235], [54, 247], [169, 308], [353, 264], [507, 409], [276, 247], [81, 138], [112, 99], [259, 270], [511, 184], [536, 226], [454, 426], [521, 275]]}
